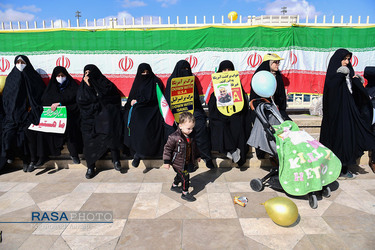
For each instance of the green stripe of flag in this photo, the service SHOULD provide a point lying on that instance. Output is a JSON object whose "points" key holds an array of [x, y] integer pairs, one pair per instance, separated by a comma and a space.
{"points": [[187, 40]]}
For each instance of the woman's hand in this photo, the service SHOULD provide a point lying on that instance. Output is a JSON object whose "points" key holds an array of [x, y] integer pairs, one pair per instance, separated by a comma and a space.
{"points": [[344, 70], [360, 78], [167, 166], [86, 80], [133, 102], [54, 106]]}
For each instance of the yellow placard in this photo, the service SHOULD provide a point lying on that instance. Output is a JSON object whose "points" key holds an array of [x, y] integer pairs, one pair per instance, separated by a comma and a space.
{"points": [[228, 92], [182, 95], [2, 83]]}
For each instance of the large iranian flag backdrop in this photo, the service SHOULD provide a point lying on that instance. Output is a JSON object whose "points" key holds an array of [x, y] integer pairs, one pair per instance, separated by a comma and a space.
{"points": [[118, 53]]}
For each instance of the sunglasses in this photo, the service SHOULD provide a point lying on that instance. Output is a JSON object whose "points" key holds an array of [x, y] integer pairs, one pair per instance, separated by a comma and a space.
{"points": [[277, 62]]}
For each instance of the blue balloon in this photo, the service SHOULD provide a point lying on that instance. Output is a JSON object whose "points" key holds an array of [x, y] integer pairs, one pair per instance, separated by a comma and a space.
{"points": [[264, 83]]}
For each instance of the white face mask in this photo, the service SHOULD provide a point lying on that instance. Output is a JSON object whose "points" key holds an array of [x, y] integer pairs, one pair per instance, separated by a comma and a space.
{"points": [[60, 79], [20, 66]]}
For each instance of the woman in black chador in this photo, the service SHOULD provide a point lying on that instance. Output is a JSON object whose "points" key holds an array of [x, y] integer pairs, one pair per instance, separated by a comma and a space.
{"points": [[2, 117], [347, 113], [99, 101], [202, 136], [22, 106], [144, 130], [229, 133], [271, 63], [61, 91], [369, 74]]}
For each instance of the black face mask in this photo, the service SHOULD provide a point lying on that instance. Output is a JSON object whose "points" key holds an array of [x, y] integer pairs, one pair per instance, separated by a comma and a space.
{"points": [[184, 72]]}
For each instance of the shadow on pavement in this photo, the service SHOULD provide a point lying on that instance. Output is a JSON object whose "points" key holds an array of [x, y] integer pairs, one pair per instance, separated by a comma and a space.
{"points": [[199, 181]]}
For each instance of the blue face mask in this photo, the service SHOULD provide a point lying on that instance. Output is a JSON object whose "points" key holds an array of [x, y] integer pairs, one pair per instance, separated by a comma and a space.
{"points": [[20, 66]]}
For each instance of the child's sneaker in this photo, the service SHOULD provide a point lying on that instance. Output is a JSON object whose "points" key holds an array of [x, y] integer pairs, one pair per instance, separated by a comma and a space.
{"points": [[188, 197], [349, 175], [176, 189]]}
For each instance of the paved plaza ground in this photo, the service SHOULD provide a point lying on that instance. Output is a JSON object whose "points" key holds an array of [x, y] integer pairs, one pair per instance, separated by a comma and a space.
{"points": [[147, 215]]}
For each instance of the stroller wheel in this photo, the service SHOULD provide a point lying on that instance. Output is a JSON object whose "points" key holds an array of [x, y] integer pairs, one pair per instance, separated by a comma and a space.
{"points": [[313, 201], [326, 192], [256, 185]]}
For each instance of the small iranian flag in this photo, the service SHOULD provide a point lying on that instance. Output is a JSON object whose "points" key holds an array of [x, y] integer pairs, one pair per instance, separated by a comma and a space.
{"points": [[164, 107]]}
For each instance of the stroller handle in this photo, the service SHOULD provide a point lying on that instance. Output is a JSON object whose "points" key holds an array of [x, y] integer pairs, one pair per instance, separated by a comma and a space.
{"points": [[258, 99]]}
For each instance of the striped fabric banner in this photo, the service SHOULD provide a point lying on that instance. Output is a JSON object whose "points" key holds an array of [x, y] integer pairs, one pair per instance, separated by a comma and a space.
{"points": [[118, 53]]}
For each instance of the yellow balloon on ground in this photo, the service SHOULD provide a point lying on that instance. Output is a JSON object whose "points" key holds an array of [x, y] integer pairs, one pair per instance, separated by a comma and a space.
{"points": [[282, 211], [232, 15], [2, 83]]}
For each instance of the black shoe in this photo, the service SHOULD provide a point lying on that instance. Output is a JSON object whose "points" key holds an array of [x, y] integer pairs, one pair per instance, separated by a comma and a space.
{"points": [[3, 162], [75, 159], [210, 164], [188, 197], [25, 166], [90, 173], [136, 161], [31, 167], [41, 161], [117, 165], [176, 189], [241, 162]]}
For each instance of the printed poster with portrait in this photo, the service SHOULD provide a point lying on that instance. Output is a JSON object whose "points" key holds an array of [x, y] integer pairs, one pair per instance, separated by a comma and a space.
{"points": [[182, 95], [51, 121], [228, 92]]}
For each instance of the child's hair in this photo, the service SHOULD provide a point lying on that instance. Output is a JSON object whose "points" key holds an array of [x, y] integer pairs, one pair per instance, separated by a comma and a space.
{"points": [[186, 116]]}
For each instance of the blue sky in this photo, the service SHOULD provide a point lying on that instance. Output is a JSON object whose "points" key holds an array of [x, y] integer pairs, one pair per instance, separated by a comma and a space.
{"points": [[29, 10]]}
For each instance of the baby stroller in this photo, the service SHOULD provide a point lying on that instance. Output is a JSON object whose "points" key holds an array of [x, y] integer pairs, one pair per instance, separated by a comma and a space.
{"points": [[263, 138]]}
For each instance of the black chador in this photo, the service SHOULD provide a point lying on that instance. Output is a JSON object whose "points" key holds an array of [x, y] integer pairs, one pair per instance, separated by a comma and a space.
{"points": [[144, 130], [202, 136], [2, 117], [62, 94], [99, 101], [347, 113], [22, 106], [229, 133]]}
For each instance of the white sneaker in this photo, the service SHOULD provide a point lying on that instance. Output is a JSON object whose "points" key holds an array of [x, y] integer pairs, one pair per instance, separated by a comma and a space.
{"points": [[236, 155], [229, 155]]}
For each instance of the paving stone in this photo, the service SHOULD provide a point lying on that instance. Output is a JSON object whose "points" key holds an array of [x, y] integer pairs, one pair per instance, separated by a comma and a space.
{"points": [[38, 242], [327, 241], [157, 234], [358, 241], [119, 204], [6, 186], [96, 229], [13, 240], [352, 224], [186, 211], [147, 214], [213, 234], [86, 242], [288, 241], [304, 244], [60, 244], [315, 225]]}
